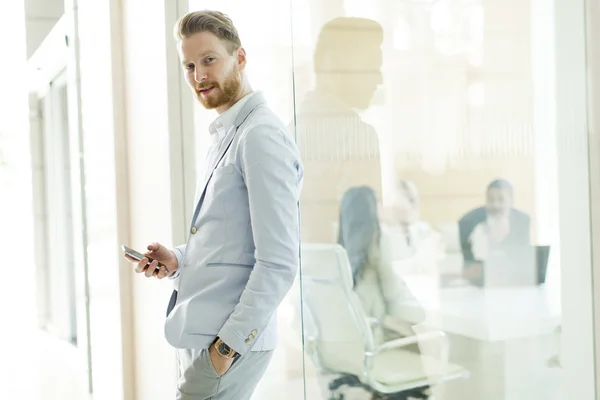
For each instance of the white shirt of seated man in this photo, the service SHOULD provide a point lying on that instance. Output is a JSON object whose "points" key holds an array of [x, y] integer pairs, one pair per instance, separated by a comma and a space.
{"points": [[407, 239], [487, 235]]}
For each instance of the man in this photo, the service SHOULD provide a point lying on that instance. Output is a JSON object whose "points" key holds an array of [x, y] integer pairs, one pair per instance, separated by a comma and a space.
{"points": [[242, 253], [339, 150], [496, 226]]}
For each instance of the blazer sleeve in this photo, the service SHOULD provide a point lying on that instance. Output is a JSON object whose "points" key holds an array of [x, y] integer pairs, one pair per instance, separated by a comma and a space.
{"points": [[179, 253], [273, 174]]}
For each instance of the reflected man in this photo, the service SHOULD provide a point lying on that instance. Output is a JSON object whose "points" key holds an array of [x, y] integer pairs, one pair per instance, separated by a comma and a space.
{"points": [[338, 148]]}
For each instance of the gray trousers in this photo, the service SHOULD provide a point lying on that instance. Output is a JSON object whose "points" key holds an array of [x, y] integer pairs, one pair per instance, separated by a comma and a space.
{"points": [[198, 379]]}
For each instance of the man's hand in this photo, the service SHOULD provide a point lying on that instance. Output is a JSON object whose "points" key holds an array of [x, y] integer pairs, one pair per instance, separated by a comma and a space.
{"points": [[159, 254], [220, 363]]}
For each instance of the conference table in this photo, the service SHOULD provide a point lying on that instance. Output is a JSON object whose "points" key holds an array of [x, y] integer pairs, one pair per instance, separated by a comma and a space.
{"points": [[504, 336]]}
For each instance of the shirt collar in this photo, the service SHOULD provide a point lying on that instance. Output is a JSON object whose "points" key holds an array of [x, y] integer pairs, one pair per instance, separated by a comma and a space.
{"points": [[224, 122]]}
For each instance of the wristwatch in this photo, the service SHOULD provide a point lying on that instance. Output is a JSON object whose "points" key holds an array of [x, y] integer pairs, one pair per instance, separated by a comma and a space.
{"points": [[223, 349]]}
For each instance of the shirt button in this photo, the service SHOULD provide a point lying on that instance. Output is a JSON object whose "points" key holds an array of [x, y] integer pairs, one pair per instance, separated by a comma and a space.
{"points": [[194, 230]]}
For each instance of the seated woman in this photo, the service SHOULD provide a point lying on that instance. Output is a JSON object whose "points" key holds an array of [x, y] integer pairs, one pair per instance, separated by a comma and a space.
{"points": [[381, 291]]}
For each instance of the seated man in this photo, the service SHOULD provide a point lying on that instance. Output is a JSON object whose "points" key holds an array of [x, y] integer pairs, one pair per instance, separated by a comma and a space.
{"points": [[495, 226], [405, 235]]}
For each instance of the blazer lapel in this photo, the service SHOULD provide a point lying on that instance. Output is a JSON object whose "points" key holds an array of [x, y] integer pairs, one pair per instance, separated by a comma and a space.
{"points": [[250, 105]]}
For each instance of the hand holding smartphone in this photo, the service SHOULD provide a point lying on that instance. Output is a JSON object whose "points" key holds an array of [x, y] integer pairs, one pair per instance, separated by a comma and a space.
{"points": [[137, 256]]}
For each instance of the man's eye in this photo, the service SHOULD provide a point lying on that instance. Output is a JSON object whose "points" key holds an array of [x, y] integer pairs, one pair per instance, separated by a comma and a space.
{"points": [[189, 67], [209, 60]]}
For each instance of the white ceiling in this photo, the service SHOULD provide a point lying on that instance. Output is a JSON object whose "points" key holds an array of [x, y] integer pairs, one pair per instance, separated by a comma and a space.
{"points": [[41, 16]]}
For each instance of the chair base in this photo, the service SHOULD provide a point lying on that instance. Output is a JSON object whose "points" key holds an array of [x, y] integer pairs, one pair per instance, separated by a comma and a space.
{"points": [[353, 381]]}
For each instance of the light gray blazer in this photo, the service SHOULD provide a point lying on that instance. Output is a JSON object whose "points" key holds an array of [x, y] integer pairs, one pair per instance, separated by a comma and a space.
{"points": [[242, 259]]}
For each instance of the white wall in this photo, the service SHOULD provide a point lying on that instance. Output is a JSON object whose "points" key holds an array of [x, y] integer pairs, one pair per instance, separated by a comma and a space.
{"points": [[96, 115], [129, 119], [146, 55], [119, 110], [16, 234]]}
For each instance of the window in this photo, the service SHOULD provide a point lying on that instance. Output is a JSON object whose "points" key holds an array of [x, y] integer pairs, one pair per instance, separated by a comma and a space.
{"points": [[436, 149]]}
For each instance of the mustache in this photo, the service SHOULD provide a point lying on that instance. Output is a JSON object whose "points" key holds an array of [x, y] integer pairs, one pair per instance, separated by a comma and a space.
{"points": [[206, 85]]}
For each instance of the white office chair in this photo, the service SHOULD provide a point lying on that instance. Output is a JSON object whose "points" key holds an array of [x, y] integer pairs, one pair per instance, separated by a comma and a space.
{"points": [[339, 336]]}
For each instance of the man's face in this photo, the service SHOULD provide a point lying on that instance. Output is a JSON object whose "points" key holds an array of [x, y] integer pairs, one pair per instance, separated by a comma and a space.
{"points": [[213, 74], [499, 202]]}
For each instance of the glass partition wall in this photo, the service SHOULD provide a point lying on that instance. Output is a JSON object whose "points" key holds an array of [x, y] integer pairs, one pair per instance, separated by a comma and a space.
{"points": [[445, 210]]}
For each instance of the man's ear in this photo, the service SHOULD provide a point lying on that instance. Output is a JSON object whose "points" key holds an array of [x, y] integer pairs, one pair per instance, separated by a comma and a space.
{"points": [[241, 58]]}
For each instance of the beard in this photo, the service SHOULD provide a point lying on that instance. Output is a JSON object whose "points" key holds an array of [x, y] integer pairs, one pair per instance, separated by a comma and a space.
{"points": [[220, 95]]}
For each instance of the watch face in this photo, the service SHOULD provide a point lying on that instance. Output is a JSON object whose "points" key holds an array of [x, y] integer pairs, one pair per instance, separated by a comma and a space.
{"points": [[224, 349]]}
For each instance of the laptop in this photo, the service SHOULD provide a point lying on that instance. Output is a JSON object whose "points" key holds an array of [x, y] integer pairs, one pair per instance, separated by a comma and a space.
{"points": [[517, 266]]}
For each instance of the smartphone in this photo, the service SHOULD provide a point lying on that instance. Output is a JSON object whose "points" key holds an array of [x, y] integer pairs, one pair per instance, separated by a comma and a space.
{"points": [[138, 256]]}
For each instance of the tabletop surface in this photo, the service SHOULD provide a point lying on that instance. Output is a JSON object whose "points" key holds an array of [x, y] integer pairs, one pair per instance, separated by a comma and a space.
{"points": [[490, 314]]}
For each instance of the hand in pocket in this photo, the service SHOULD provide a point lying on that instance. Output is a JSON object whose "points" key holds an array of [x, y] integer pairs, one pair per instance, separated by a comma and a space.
{"points": [[220, 364]]}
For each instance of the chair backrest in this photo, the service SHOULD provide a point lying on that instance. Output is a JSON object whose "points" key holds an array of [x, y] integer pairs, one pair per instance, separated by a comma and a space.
{"points": [[334, 315]]}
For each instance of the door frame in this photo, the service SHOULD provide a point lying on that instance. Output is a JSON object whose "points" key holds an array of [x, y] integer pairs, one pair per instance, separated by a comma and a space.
{"points": [[181, 128], [593, 100], [52, 64]]}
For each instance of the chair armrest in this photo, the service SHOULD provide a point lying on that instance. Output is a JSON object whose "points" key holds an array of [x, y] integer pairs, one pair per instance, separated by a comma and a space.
{"points": [[406, 341]]}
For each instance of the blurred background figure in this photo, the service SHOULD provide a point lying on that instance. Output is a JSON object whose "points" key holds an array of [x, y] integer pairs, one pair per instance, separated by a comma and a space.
{"points": [[409, 239], [381, 291], [339, 150], [495, 226]]}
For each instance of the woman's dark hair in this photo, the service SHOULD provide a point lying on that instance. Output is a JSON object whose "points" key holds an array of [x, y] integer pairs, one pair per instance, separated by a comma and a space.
{"points": [[358, 226]]}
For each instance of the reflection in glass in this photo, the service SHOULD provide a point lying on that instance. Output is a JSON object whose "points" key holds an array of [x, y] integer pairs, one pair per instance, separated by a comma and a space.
{"points": [[338, 148], [420, 209], [405, 113]]}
